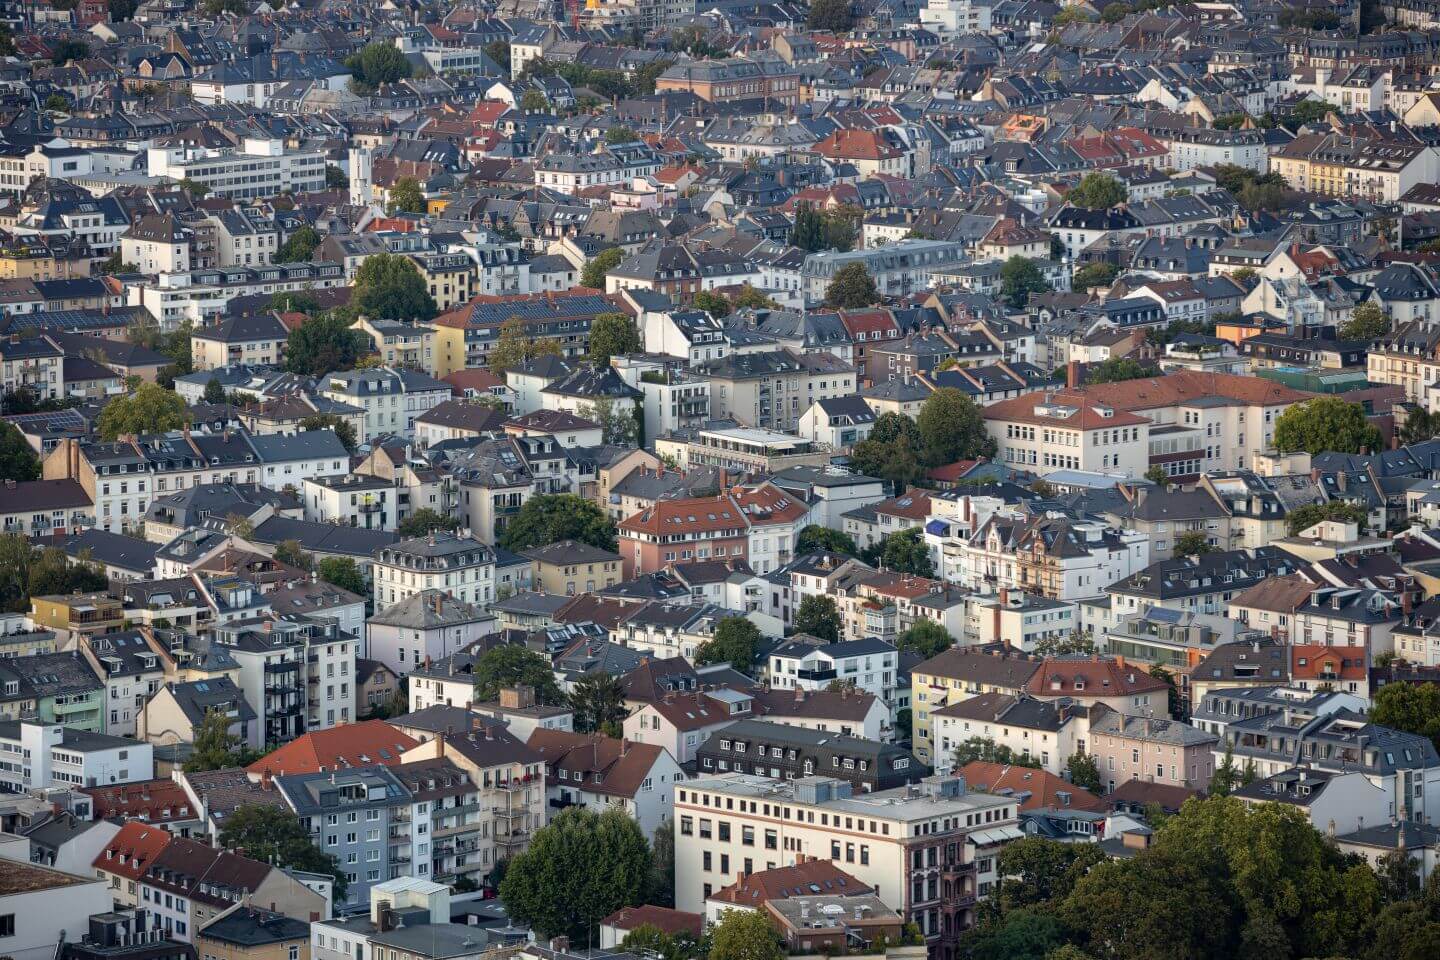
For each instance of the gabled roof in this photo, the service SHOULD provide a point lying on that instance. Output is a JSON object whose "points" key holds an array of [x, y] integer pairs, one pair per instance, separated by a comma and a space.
{"points": [[360, 744]]}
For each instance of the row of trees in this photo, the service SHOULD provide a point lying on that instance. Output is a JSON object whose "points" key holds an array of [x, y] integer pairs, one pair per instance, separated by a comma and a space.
{"points": [[29, 571], [1220, 879]]}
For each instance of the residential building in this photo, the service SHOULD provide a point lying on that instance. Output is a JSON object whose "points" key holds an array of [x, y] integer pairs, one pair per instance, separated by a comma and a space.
{"points": [[1150, 749], [783, 752], [597, 771], [459, 565]]}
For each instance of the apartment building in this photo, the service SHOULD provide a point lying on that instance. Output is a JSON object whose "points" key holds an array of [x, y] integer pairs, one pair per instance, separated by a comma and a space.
{"points": [[1173, 422], [599, 772], [1199, 584], [1049, 732], [510, 778], [297, 674], [38, 756], [253, 341], [954, 676], [733, 79], [783, 752], [459, 565], [679, 531], [392, 397], [772, 389], [869, 664], [35, 365], [1151, 750], [928, 850], [258, 168], [1408, 356], [130, 667], [1055, 557]]}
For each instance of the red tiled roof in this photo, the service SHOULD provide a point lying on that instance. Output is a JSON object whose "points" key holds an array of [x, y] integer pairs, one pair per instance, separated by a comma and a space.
{"points": [[795, 880], [689, 516], [856, 145], [1044, 789], [662, 918], [351, 745], [1093, 677], [153, 801], [1325, 662], [132, 850]]}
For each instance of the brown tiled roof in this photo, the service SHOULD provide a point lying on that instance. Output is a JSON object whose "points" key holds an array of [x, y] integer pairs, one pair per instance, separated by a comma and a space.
{"points": [[693, 711], [156, 801], [1009, 671], [796, 880], [1321, 661], [1168, 796], [621, 765], [1095, 677], [662, 918], [132, 850], [1044, 788], [1280, 594], [351, 745], [846, 704], [188, 867], [689, 516]]}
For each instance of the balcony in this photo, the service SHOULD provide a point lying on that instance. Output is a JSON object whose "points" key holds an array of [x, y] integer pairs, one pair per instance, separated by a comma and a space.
{"points": [[819, 676], [370, 507]]}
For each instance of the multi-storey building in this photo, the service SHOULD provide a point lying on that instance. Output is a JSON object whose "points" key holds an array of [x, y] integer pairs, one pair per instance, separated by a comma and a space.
{"points": [[783, 752], [956, 675], [297, 674], [37, 756], [928, 853], [1052, 556], [1151, 750], [130, 668], [260, 168], [460, 566], [391, 397]]}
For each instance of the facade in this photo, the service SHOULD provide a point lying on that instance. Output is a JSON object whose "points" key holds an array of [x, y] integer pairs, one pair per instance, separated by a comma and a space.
{"points": [[460, 566]]}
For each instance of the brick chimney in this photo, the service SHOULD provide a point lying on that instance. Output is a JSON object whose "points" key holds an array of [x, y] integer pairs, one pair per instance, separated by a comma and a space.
{"points": [[1072, 375]]}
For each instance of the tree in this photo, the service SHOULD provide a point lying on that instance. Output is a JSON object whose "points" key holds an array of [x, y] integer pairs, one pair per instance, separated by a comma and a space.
{"points": [[951, 427], [215, 747], [619, 420], [578, 869], [647, 940], [290, 553], [1308, 112], [1098, 191], [905, 551], [294, 301], [343, 573], [817, 539], [852, 288], [1192, 543], [925, 637], [597, 267], [511, 664], [715, 304], [745, 934], [611, 335], [335, 178], [1367, 322], [662, 866], [324, 344], [620, 134], [272, 834], [195, 188], [344, 429], [986, 750], [533, 101], [1117, 369], [1420, 425], [1303, 518], [1226, 776], [68, 50], [818, 616], [830, 15], [388, 286], [808, 230], [598, 699], [1326, 424], [515, 346], [115, 263], [751, 299], [1071, 14], [378, 63], [17, 457], [299, 246], [217, 8], [1097, 274], [1035, 871], [423, 522], [406, 196], [1173, 704], [552, 517], [736, 641], [1399, 875], [1156, 474], [1084, 773], [214, 392], [150, 409], [1413, 708], [1019, 278], [57, 103]]}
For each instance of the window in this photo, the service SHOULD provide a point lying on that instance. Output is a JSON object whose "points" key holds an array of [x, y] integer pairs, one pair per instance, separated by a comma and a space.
{"points": [[7, 925]]}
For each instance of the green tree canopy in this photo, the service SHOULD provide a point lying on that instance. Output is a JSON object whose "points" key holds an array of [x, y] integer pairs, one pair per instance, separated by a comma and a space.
{"points": [[150, 409], [598, 266], [578, 869], [1117, 369], [986, 750], [925, 637], [274, 835], [552, 517], [17, 458], [852, 288], [1326, 424], [68, 50], [299, 246], [951, 427], [736, 641], [1192, 543], [533, 101], [598, 699], [406, 196], [515, 346], [323, 345], [1084, 772], [1413, 708], [905, 551], [1097, 274], [611, 335], [817, 539], [1019, 278], [1302, 518], [818, 616], [830, 15], [343, 573], [425, 521], [1098, 191], [511, 664], [291, 553], [388, 286], [1368, 321], [215, 747], [378, 63], [745, 935]]}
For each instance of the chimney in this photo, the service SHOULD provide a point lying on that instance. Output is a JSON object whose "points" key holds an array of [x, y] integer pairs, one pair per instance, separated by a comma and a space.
{"points": [[1072, 375]]}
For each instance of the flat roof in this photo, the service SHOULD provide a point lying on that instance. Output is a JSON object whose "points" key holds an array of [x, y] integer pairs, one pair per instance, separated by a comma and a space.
{"points": [[18, 877]]}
